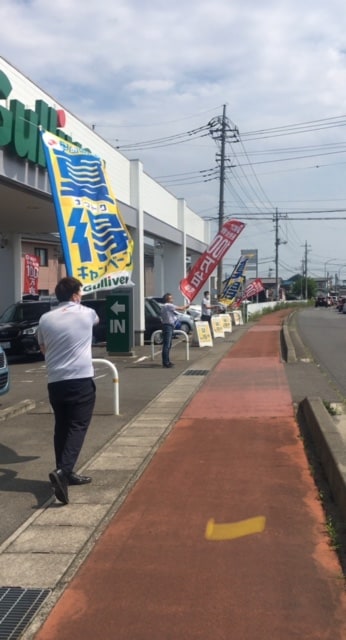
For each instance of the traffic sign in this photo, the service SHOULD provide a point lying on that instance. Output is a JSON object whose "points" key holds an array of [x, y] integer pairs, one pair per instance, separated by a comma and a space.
{"points": [[119, 323]]}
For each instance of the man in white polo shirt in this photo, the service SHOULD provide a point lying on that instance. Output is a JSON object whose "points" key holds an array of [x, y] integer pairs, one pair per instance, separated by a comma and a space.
{"points": [[168, 318], [65, 338]]}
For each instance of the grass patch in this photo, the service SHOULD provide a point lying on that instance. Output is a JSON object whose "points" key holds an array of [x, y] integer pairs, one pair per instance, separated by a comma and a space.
{"points": [[331, 410]]}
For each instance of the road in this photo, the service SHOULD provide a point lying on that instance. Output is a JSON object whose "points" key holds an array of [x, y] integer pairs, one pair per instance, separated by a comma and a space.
{"points": [[323, 332]]}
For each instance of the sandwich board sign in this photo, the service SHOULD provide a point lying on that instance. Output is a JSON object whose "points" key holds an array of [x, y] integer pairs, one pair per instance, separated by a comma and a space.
{"points": [[202, 335]]}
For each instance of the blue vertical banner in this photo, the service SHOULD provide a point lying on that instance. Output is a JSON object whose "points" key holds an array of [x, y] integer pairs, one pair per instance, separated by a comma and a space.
{"points": [[234, 282], [96, 244]]}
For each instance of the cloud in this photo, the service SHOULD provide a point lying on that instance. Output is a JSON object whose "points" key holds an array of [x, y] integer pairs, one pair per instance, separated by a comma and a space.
{"points": [[141, 70]]}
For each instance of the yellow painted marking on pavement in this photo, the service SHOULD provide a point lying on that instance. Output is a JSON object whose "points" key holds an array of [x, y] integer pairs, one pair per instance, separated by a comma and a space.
{"points": [[234, 529]]}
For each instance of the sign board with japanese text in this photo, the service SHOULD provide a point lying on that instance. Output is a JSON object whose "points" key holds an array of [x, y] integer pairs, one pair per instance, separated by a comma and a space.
{"points": [[227, 322], [96, 245], [202, 335], [31, 273], [217, 326], [254, 287], [208, 261], [237, 317], [234, 282]]}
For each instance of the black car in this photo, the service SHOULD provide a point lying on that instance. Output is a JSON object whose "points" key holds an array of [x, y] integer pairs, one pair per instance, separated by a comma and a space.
{"points": [[100, 329], [18, 327], [4, 373], [152, 321], [19, 323], [321, 301]]}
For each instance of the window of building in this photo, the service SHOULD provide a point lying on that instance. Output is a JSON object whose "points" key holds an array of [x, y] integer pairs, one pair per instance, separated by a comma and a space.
{"points": [[42, 254]]}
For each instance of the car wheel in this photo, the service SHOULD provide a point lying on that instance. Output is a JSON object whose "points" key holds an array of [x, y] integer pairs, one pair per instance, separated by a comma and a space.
{"points": [[185, 327], [158, 338]]}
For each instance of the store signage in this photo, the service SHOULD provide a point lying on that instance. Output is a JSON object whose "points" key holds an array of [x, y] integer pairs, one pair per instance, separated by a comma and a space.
{"points": [[19, 126]]}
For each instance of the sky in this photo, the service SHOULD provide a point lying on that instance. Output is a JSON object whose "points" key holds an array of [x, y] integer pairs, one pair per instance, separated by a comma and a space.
{"points": [[154, 79]]}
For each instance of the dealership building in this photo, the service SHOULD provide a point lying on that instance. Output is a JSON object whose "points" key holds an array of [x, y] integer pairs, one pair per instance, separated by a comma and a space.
{"points": [[167, 234]]}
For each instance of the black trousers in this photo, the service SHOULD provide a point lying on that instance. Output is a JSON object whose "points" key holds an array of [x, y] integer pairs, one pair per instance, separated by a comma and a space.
{"points": [[73, 403], [205, 318]]}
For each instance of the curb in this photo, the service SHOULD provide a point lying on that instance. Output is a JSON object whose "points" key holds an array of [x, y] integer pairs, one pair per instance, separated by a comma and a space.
{"points": [[329, 446], [287, 344], [326, 438]]}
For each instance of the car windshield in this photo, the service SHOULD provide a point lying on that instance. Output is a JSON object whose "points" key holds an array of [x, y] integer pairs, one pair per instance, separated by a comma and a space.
{"points": [[24, 312], [8, 314], [156, 305]]}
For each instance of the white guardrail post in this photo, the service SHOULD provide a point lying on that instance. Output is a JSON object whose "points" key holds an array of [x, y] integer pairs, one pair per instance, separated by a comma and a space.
{"points": [[183, 333], [115, 381]]}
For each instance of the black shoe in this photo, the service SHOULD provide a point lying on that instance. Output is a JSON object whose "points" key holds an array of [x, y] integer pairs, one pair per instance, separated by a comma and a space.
{"points": [[168, 366], [59, 483], [74, 478]]}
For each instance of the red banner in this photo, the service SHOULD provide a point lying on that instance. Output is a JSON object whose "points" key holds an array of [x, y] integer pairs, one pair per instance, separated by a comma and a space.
{"points": [[251, 290], [208, 262], [31, 271]]}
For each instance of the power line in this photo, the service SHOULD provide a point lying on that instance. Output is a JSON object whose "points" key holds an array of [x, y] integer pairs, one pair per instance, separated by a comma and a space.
{"points": [[301, 127], [177, 138]]}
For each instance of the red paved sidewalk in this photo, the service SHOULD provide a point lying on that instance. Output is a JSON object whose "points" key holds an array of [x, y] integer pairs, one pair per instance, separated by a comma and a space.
{"points": [[234, 454]]}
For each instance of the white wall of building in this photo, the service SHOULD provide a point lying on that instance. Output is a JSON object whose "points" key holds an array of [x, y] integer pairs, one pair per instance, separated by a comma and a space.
{"points": [[182, 229]]}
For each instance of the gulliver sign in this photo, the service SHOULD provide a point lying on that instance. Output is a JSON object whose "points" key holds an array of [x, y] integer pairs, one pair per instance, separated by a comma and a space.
{"points": [[19, 127]]}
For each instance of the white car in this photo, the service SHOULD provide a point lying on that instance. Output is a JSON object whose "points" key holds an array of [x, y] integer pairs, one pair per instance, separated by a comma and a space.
{"points": [[195, 311], [185, 322]]}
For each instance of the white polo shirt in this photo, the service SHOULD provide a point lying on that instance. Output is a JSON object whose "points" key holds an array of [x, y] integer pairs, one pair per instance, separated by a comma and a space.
{"points": [[66, 335]]}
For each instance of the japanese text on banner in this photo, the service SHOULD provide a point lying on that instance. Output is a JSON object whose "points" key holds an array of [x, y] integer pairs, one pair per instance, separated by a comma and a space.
{"points": [[208, 261], [97, 246]]}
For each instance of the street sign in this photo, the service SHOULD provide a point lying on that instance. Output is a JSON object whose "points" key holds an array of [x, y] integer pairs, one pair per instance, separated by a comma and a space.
{"points": [[119, 323]]}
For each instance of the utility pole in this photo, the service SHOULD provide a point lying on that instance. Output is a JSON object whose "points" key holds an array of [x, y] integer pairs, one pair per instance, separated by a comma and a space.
{"points": [[219, 130], [306, 269], [277, 244], [221, 192]]}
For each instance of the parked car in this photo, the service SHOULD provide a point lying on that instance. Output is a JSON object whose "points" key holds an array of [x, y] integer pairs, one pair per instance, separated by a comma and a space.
{"points": [[195, 311], [152, 321], [4, 373], [18, 327], [340, 304], [185, 321], [321, 301], [100, 329], [19, 323]]}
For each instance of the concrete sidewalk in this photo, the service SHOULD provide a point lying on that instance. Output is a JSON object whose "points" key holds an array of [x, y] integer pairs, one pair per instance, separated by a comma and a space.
{"points": [[222, 535]]}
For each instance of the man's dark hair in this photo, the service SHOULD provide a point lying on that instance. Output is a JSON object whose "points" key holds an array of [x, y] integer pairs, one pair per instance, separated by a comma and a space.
{"points": [[206, 292], [166, 296], [66, 287]]}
